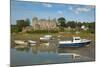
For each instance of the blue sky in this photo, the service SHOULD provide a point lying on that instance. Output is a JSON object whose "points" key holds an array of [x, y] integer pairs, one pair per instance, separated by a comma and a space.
{"points": [[23, 10]]}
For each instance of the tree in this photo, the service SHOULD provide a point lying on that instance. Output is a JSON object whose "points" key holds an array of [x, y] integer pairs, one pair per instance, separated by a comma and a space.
{"points": [[79, 24], [27, 21], [92, 27], [62, 21], [23, 23], [15, 29], [72, 24]]}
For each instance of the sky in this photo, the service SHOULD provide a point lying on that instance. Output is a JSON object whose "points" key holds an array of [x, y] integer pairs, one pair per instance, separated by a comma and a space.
{"points": [[24, 10]]}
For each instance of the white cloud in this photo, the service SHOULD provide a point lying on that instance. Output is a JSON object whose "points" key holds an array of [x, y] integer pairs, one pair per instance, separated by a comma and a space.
{"points": [[60, 12], [47, 5], [80, 9], [83, 9]]}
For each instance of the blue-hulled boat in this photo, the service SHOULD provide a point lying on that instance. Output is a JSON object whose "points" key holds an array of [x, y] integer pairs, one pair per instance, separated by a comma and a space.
{"points": [[75, 42]]}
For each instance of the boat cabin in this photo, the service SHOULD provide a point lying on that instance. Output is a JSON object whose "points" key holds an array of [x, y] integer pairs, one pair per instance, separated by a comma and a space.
{"points": [[76, 39]]}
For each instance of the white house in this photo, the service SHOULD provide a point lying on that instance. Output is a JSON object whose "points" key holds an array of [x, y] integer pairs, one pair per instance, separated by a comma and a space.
{"points": [[84, 27]]}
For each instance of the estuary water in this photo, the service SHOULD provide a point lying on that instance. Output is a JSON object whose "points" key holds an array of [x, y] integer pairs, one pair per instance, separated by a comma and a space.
{"points": [[44, 54]]}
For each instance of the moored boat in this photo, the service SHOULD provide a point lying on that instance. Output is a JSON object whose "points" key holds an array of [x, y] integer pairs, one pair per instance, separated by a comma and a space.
{"points": [[20, 42], [45, 38], [32, 43], [75, 42]]}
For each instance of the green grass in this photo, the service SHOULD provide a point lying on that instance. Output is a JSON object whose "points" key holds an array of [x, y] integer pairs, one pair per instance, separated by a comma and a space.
{"points": [[27, 36], [34, 36]]}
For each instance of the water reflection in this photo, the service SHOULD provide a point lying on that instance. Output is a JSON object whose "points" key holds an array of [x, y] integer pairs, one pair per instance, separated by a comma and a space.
{"points": [[51, 48], [26, 49], [43, 53]]}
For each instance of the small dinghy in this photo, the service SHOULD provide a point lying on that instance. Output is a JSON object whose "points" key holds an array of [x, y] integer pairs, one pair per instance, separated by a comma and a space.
{"points": [[32, 43], [46, 38], [20, 42], [75, 42]]}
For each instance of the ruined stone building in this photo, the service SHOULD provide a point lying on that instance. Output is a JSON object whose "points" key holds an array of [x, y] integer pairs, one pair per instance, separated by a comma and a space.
{"points": [[43, 24]]}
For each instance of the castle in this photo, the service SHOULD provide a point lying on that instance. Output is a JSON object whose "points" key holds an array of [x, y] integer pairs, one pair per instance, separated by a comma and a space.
{"points": [[43, 24]]}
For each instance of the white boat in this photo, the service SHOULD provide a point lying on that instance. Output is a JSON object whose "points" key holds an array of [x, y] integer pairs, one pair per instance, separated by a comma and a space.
{"points": [[75, 42], [21, 42], [46, 37], [32, 42]]}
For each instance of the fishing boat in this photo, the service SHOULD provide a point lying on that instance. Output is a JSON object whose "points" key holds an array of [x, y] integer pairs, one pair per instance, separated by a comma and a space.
{"points": [[75, 42]]}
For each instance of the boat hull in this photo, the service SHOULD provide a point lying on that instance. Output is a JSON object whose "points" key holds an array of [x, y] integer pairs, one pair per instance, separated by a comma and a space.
{"points": [[74, 44]]}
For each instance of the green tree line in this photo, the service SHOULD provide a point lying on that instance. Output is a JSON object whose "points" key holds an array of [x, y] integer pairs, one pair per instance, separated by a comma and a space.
{"points": [[61, 23], [20, 25]]}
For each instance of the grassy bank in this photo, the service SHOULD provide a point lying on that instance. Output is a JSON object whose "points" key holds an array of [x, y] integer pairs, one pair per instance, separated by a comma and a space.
{"points": [[27, 36]]}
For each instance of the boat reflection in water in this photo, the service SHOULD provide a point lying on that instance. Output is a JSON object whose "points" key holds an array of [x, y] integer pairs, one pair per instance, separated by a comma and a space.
{"points": [[44, 48], [21, 48], [44, 53]]}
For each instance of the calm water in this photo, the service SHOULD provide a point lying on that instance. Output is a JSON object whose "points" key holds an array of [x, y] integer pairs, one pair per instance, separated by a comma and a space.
{"points": [[44, 54]]}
